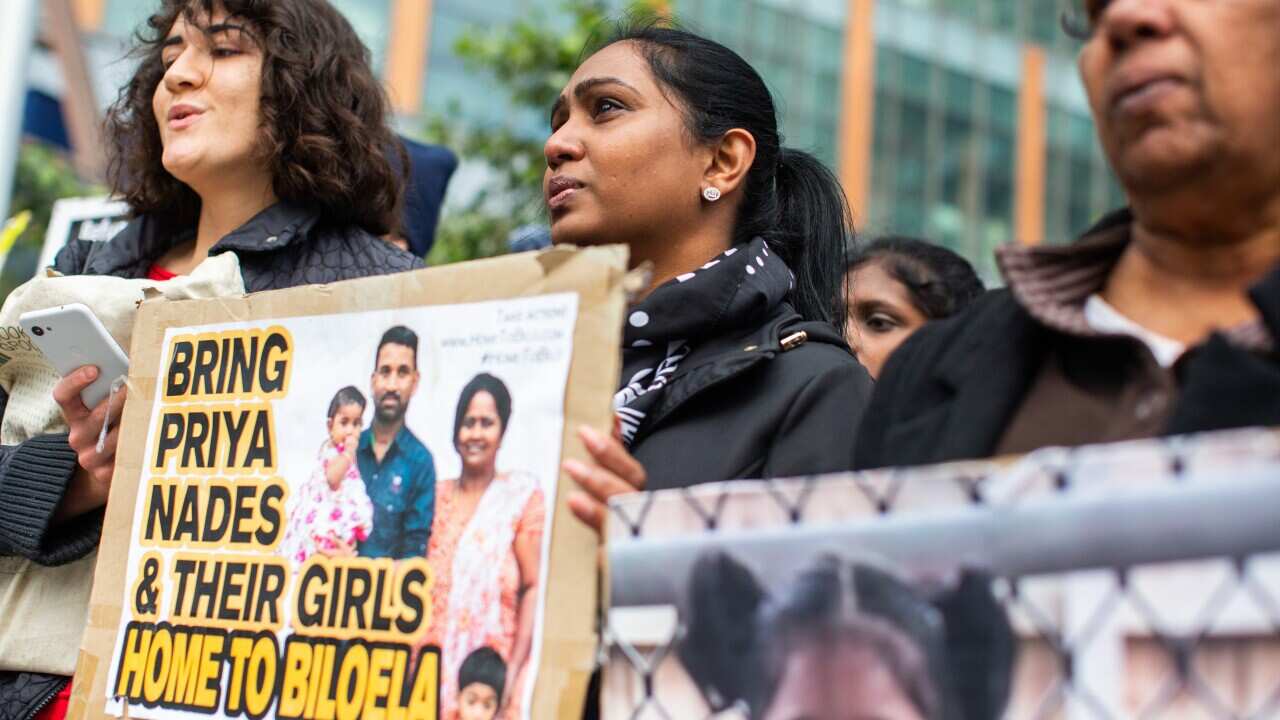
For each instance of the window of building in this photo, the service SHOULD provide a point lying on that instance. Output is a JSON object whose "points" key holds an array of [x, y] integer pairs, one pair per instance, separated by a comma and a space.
{"points": [[797, 53], [121, 18], [371, 20], [1078, 180]]}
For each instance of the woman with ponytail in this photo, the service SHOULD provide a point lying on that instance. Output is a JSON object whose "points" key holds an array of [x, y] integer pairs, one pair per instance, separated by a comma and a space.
{"points": [[734, 362]]}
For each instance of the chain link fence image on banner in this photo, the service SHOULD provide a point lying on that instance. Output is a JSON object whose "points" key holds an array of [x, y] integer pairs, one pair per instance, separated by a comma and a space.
{"points": [[1136, 580]]}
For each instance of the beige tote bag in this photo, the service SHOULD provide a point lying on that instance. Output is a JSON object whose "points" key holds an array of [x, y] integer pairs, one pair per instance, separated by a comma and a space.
{"points": [[43, 609]]}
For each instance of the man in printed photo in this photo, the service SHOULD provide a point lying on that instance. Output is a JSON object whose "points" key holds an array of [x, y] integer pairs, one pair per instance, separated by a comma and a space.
{"points": [[398, 470]]}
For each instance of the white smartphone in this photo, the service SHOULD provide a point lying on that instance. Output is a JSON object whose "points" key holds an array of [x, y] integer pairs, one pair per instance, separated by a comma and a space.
{"points": [[71, 336]]}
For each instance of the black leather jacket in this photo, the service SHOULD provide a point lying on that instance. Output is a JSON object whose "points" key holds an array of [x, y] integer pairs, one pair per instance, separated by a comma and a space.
{"points": [[783, 399], [280, 247]]}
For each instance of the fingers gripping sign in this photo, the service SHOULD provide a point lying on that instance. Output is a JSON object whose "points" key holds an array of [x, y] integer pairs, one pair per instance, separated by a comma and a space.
{"points": [[613, 472]]}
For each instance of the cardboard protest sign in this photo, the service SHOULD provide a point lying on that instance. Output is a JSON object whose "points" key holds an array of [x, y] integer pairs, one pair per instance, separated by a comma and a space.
{"points": [[1128, 580], [345, 501]]}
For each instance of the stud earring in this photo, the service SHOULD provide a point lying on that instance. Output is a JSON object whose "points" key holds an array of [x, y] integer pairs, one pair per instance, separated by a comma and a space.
{"points": [[711, 194]]}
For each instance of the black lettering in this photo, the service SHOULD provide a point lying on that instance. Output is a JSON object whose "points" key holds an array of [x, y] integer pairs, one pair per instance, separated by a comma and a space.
{"points": [[161, 512], [250, 591], [230, 588], [179, 376], [234, 432], [218, 505], [354, 597], [188, 527], [308, 617], [197, 431], [223, 364], [411, 600], [244, 495], [269, 592], [202, 371], [171, 428], [271, 375], [206, 589], [212, 445], [380, 621], [335, 582], [243, 365], [269, 530], [260, 450], [183, 569]]}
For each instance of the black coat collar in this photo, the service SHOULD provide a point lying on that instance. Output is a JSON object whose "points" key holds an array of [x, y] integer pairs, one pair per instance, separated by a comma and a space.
{"points": [[723, 358], [131, 252], [986, 373], [1266, 295]]}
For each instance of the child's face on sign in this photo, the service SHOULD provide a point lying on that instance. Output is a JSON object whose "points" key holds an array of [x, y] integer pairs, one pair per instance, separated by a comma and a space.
{"points": [[345, 423], [477, 702]]}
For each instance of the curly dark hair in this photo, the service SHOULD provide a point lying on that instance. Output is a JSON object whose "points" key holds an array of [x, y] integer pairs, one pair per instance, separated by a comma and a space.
{"points": [[324, 117], [940, 282]]}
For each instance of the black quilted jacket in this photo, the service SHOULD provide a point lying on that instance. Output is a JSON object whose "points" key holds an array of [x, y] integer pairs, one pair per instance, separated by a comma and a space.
{"points": [[280, 247]]}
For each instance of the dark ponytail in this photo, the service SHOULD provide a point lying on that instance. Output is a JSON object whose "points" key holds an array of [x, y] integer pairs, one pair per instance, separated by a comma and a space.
{"points": [[790, 199], [815, 226]]}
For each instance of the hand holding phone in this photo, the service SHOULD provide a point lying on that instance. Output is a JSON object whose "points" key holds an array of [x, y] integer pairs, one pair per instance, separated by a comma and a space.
{"points": [[71, 336]]}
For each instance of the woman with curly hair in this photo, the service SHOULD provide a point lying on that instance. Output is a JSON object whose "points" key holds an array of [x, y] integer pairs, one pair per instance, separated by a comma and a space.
{"points": [[250, 127]]}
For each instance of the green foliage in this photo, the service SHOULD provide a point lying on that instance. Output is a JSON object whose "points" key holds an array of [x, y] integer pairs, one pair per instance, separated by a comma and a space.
{"points": [[531, 59], [43, 176]]}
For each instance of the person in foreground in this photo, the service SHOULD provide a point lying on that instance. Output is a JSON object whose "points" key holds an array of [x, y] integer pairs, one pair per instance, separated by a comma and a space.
{"points": [[896, 285], [1163, 318], [248, 127], [669, 143]]}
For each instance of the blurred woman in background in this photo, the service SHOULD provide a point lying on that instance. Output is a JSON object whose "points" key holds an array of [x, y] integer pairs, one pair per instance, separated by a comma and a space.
{"points": [[896, 285]]}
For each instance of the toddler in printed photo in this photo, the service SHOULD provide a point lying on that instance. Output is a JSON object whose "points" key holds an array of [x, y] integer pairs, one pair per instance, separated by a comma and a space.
{"points": [[481, 681], [331, 512]]}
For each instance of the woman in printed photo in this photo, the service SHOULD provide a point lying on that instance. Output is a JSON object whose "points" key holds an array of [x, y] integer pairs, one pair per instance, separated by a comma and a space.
{"points": [[332, 508], [485, 549]]}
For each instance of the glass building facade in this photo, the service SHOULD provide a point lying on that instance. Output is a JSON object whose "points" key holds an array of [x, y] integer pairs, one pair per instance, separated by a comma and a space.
{"points": [[945, 122], [370, 18], [945, 118]]}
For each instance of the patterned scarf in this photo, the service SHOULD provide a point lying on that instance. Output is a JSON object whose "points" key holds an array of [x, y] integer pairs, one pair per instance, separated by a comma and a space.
{"points": [[737, 290]]}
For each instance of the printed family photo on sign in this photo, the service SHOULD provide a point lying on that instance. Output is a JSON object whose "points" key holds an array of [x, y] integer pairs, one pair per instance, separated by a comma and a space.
{"points": [[973, 589], [347, 512]]}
